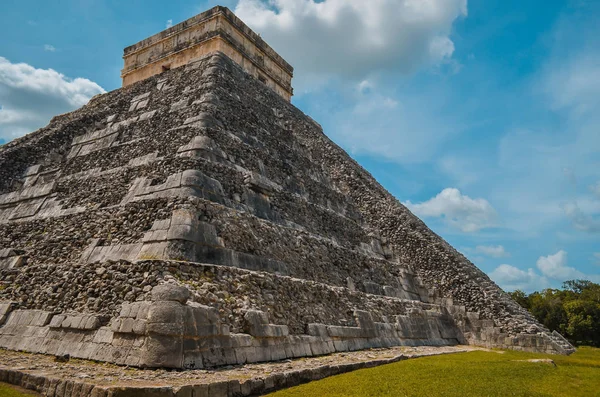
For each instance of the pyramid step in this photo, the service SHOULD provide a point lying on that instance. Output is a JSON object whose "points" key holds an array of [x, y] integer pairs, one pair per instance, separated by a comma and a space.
{"points": [[206, 163]]}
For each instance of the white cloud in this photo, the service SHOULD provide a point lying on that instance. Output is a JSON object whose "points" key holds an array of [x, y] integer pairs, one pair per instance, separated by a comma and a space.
{"points": [[493, 251], [511, 278], [351, 47], [364, 86], [356, 37], [169, 23], [460, 211], [555, 267], [30, 97], [49, 48]]}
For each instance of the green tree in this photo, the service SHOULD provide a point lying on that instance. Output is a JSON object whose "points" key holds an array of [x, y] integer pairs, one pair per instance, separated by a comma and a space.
{"points": [[547, 307], [573, 310], [583, 326], [578, 286]]}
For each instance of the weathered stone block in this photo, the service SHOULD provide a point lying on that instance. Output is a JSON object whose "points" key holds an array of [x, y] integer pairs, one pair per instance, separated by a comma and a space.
{"points": [[162, 352], [170, 328], [220, 389], [319, 347], [270, 331], [127, 325], [142, 310], [317, 330], [139, 327], [115, 324], [365, 322], [255, 354], [255, 318], [125, 310], [251, 387], [153, 251], [163, 224], [148, 115], [168, 293], [241, 340], [345, 332], [177, 106]]}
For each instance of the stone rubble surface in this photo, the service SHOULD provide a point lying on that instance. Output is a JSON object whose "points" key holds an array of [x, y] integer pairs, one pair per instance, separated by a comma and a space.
{"points": [[107, 376]]}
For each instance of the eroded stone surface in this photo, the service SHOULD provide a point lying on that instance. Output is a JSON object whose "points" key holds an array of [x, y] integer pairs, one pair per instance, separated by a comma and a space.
{"points": [[285, 246], [249, 379]]}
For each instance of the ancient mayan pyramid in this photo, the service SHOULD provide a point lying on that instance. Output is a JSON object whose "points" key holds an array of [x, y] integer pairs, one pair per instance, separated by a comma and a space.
{"points": [[195, 218]]}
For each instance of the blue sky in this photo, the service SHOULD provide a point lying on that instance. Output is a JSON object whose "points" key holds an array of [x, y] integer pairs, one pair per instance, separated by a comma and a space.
{"points": [[481, 116]]}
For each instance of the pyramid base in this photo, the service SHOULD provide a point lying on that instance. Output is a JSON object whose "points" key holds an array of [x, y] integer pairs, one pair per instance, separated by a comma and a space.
{"points": [[204, 316], [169, 330]]}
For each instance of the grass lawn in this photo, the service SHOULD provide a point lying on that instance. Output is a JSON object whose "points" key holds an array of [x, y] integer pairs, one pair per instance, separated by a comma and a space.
{"points": [[12, 391], [467, 374]]}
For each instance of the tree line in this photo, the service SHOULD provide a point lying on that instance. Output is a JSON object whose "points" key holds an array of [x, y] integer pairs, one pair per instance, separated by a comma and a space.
{"points": [[574, 310]]}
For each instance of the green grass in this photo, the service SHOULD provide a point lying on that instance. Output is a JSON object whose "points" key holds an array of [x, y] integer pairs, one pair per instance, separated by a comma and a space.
{"points": [[479, 374], [466, 374], [11, 391]]}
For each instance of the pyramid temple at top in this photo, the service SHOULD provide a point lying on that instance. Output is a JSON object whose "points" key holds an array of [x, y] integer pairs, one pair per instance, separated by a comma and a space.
{"points": [[195, 218]]}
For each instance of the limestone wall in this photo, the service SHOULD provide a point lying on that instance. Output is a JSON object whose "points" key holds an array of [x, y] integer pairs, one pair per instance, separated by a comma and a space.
{"points": [[215, 30], [232, 316], [300, 214]]}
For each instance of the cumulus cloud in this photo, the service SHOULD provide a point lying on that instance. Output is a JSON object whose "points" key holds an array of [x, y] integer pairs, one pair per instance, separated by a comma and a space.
{"points": [[356, 37], [169, 23], [552, 268], [555, 267], [511, 278], [493, 251], [348, 46], [30, 97], [460, 211], [49, 48]]}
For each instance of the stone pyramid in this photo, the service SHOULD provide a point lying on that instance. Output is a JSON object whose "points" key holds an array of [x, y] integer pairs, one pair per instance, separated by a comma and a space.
{"points": [[196, 219]]}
